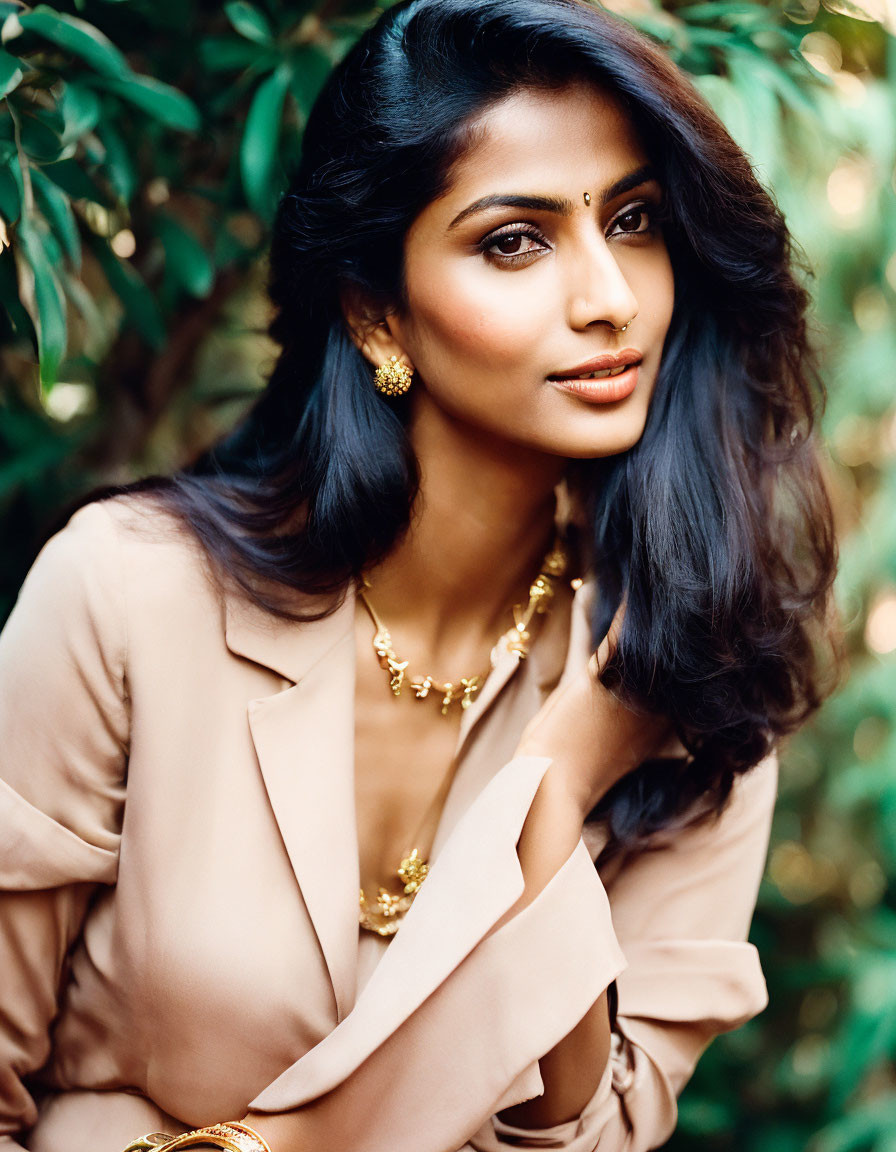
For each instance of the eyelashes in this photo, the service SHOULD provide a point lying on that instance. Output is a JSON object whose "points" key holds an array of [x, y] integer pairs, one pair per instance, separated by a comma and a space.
{"points": [[522, 242], [513, 236]]}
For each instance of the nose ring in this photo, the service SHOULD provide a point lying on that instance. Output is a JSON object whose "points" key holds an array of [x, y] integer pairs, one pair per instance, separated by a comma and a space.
{"points": [[624, 326]]}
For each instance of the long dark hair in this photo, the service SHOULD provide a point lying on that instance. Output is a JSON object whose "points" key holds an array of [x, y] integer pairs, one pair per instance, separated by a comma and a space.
{"points": [[715, 527]]}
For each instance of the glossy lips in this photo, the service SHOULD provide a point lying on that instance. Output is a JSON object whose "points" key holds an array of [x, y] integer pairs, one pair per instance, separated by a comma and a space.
{"points": [[618, 379]]}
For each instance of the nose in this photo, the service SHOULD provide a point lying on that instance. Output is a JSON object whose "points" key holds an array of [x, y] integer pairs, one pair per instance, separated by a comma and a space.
{"points": [[599, 291]]}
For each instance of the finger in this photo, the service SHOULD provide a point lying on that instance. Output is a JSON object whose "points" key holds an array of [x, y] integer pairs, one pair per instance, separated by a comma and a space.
{"points": [[580, 641]]}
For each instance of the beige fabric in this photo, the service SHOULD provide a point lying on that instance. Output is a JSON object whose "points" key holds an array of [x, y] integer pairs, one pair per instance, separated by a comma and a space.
{"points": [[179, 878]]}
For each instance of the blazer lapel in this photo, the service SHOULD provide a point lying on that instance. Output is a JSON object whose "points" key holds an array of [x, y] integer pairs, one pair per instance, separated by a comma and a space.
{"points": [[473, 882], [304, 740]]}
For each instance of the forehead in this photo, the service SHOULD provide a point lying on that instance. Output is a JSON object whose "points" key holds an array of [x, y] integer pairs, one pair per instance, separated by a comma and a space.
{"points": [[537, 139]]}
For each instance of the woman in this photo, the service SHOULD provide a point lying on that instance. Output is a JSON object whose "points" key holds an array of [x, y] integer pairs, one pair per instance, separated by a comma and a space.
{"points": [[544, 370]]}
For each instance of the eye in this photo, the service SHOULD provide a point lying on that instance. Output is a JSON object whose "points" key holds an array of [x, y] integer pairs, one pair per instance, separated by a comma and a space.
{"points": [[514, 244], [634, 220]]}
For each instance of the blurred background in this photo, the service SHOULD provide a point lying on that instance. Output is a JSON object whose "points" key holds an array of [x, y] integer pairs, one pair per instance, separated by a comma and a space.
{"points": [[142, 147]]}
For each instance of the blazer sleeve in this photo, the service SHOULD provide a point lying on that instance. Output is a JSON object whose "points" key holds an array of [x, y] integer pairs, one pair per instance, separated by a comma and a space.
{"points": [[681, 911], [63, 739]]}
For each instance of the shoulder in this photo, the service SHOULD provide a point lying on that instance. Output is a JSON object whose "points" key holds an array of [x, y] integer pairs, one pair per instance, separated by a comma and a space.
{"points": [[120, 567], [101, 535], [140, 546]]}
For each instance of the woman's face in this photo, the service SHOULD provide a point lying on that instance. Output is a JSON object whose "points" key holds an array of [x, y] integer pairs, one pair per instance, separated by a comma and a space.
{"points": [[519, 277]]}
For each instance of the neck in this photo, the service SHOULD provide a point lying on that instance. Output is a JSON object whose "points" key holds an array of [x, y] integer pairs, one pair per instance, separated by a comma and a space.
{"points": [[481, 526]]}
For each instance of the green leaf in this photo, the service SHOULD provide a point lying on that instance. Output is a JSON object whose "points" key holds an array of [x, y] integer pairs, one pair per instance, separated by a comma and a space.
{"points": [[78, 37], [186, 261], [224, 54], [259, 148], [740, 16], [10, 72], [48, 300], [161, 101], [311, 67], [57, 210], [10, 188], [141, 309], [81, 110], [249, 22], [72, 179], [117, 163], [853, 1131], [19, 320], [727, 103], [40, 132]]}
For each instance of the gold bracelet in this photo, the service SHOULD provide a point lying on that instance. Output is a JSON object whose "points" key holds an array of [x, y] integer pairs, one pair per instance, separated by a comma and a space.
{"points": [[230, 1137]]}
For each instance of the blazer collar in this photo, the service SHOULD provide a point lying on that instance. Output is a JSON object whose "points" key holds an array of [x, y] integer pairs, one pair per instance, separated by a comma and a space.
{"points": [[287, 647]]}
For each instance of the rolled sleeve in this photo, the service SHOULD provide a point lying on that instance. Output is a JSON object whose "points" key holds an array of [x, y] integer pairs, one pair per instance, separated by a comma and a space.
{"points": [[681, 911], [63, 741]]}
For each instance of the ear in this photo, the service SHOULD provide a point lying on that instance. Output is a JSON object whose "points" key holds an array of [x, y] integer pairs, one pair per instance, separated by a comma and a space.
{"points": [[374, 332]]}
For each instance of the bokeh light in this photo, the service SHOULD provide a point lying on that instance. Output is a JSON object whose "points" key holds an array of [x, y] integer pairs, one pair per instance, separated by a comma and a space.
{"points": [[880, 628]]}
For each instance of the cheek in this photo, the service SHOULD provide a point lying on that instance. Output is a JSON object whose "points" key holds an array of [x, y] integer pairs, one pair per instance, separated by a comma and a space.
{"points": [[658, 295], [469, 318]]}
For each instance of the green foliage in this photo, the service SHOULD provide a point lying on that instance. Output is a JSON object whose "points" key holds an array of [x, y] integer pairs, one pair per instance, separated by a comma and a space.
{"points": [[142, 147]]}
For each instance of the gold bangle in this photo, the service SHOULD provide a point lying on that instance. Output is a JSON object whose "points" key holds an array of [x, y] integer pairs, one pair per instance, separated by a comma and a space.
{"points": [[230, 1137]]}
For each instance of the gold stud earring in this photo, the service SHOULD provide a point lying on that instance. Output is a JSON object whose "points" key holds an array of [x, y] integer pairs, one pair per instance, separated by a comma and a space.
{"points": [[393, 378], [586, 196]]}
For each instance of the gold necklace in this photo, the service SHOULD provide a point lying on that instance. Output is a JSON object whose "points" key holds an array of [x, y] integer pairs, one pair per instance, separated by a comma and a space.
{"points": [[519, 639], [385, 915]]}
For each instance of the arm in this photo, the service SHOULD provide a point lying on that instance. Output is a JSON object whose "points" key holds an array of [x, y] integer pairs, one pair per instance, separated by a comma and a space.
{"points": [[580, 718], [573, 1069], [681, 911], [63, 729]]}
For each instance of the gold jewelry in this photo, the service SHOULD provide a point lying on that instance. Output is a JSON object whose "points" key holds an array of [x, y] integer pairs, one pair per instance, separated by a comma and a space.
{"points": [[386, 914], [393, 378], [464, 690], [586, 196], [624, 326], [541, 594], [230, 1137], [541, 597]]}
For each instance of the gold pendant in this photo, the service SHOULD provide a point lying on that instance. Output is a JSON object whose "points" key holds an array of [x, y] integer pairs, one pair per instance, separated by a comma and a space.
{"points": [[412, 872], [385, 916]]}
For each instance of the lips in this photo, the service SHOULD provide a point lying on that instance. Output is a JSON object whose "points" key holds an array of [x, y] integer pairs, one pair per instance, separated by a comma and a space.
{"points": [[605, 366]]}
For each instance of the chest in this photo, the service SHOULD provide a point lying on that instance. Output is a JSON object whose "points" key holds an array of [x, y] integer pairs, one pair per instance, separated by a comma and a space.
{"points": [[405, 757]]}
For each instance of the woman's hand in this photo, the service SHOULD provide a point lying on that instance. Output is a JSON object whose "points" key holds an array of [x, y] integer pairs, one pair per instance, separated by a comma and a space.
{"points": [[592, 738]]}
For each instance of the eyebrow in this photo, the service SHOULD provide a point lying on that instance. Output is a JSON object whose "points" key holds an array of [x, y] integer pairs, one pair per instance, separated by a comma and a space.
{"points": [[559, 205]]}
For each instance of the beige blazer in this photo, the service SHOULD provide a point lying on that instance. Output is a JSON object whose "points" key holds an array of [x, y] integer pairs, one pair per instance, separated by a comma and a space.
{"points": [[179, 882]]}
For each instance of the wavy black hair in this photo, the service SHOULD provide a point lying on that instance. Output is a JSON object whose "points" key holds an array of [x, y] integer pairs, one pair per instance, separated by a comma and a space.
{"points": [[715, 527]]}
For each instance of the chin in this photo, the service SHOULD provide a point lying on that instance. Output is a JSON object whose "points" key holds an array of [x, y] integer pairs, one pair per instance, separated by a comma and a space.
{"points": [[591, 447]]}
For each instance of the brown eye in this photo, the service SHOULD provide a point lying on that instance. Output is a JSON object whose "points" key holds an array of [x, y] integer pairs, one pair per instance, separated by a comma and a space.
{"points": [[508, 245], [513, 246], [631, 221]]}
